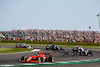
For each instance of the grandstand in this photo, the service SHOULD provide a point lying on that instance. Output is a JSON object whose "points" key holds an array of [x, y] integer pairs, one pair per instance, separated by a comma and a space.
{"points": [[51, 35]]}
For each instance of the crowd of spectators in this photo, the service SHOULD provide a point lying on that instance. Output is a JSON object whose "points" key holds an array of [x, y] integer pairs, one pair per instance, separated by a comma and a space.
{"points": [[52, 35]]}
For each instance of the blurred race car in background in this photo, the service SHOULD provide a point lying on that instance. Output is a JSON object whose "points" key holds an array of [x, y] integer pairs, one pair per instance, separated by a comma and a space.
{"points": [[22, 45], [86, 52], [40, 57], [82, 51], [54, 47]]}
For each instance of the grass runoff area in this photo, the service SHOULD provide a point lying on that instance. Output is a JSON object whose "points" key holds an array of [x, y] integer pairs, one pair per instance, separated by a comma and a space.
{"points": [[12, 50]]}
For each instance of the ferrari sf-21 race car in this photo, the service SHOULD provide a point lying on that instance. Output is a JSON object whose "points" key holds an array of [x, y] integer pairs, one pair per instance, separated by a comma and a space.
{"points": [[22, 45], [54, 47], [40, 57]]}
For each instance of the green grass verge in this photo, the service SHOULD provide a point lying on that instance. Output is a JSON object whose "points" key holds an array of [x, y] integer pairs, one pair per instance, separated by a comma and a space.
{"points": [[7, 43], [44, 45], [68, 46], [12, 50]]}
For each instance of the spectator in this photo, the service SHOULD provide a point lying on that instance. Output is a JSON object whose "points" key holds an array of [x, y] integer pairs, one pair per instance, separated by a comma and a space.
{"points": [[53, 35]]}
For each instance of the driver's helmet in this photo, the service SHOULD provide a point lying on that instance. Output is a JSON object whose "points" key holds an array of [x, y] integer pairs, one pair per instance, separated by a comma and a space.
{"points": [[37, 54]]}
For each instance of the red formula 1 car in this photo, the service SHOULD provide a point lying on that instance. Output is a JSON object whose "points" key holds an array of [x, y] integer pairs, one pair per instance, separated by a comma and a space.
{"points": [[40, 57]]}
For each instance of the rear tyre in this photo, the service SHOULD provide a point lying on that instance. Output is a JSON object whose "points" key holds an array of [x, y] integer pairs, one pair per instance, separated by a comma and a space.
{"points": [[23, 58], [46, 60], [90, 54], [51, 59], [46, 48], [61, 48]]}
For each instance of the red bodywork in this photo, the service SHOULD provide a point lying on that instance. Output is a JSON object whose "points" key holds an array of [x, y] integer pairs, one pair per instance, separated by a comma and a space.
{"points": [[33, 59]]}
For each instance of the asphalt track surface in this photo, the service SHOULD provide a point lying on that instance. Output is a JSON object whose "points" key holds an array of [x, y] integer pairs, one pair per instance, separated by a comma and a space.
{"points": [[8, 59]]}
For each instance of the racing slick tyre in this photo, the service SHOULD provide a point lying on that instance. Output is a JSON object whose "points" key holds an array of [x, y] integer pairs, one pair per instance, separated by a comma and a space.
{"points": [[61, 48], [23, 58], [90, 53], [39, 59], [46, 60], [25, 47], [81, 53], [19, 60], [16, 46], [51, 59], [47, 48]]}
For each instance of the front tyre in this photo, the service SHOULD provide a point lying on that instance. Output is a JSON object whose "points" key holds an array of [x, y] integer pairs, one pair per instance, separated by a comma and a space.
{"points": [[90, 54], [39, 59], [16, 46], [19, 60]]}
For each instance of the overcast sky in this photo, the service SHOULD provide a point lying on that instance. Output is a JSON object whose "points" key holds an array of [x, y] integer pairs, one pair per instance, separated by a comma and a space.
{"points": [[49, 14]]}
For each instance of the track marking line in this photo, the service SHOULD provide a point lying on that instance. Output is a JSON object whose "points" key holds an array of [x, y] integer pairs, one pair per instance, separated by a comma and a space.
{"points": [[46, 63], [7, 65], [56, 63], [35, 50], [28, 64]]}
